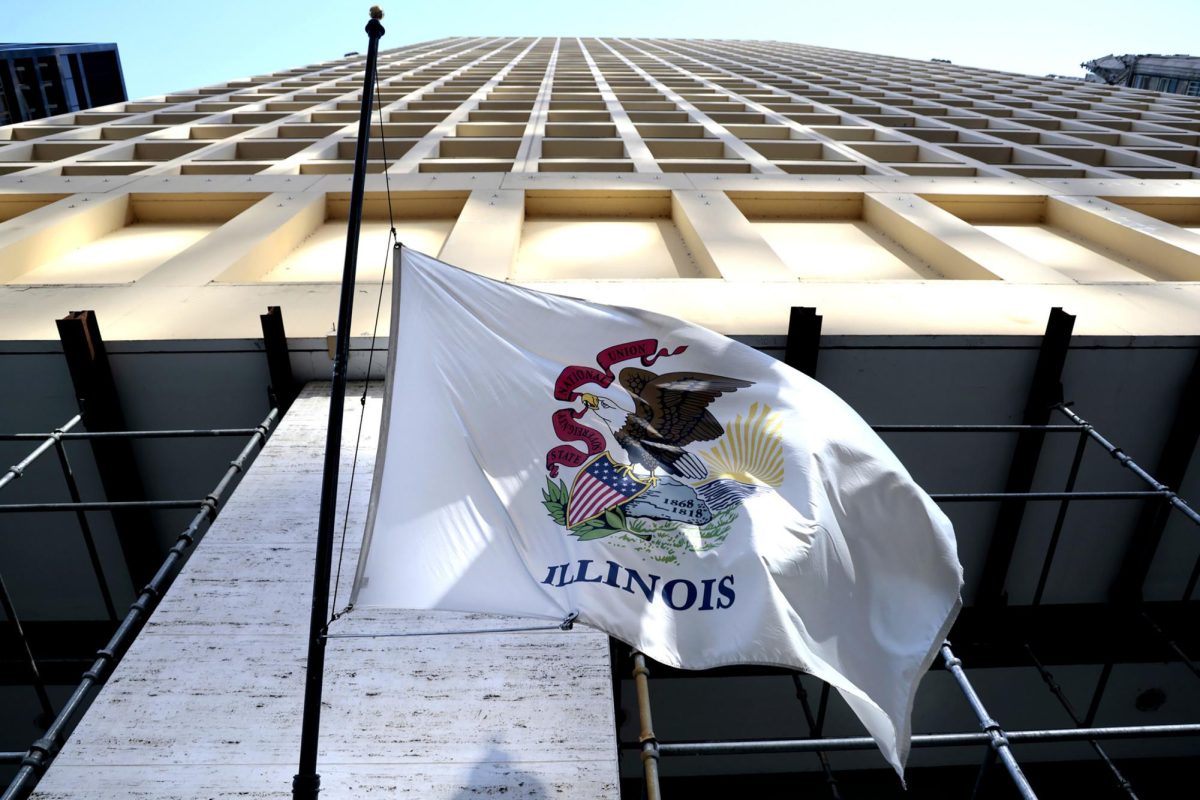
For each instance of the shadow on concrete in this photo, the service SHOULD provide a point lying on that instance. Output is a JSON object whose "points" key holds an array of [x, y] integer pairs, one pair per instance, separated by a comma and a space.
{"points": [[496, 775]]}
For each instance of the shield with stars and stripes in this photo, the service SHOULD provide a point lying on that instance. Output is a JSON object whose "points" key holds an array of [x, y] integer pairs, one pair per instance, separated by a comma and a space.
{"points": [[601, 485]]}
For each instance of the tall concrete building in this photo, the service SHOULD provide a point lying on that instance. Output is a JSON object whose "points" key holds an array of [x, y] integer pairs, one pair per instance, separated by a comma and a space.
{"points": [[932, 214]]}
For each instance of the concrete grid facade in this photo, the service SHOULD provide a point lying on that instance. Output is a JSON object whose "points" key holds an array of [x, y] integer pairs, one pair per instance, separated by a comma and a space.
{"points": [[932, 213], [575, 163], [645, 106]]}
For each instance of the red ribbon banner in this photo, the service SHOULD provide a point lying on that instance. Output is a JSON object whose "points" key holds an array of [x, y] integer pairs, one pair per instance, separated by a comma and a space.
{"points": [[566, 428]]}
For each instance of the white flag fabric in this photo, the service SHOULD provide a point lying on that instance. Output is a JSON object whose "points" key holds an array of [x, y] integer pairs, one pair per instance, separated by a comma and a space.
{"points": [[685, 493]]}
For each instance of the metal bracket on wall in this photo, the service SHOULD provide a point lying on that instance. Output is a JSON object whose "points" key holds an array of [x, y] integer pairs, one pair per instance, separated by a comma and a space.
{"points": [[803, 340], [1045, 391], [100, 404]]}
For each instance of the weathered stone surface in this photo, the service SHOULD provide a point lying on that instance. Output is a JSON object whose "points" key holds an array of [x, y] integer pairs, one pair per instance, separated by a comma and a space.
{"points": [[207, 703], [487, 776]]}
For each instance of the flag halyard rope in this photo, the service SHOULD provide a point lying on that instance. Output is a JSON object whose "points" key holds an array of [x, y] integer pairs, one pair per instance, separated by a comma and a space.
{"points": [[392, 243]]}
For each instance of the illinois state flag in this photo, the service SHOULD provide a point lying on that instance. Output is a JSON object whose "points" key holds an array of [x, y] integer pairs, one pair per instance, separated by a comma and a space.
{"points": [[685, 493]]}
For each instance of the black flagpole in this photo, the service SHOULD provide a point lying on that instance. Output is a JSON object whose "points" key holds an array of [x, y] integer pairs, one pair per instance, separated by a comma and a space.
{"points": [[307, 783]]}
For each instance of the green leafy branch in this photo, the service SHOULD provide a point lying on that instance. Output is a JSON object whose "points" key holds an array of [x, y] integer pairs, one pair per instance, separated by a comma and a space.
{"points": [[555, 497]]}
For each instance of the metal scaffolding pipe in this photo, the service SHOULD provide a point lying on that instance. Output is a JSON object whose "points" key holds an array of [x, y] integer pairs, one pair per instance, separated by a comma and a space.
{"points": [[122, 505], [1056, 689], [926, 740], [39, 685], [974, 428], [1060, 519], [85, 529], [17, 470], [1131, 465], [35, 761], [1172, 644], [973, 497], [996, 737], [814, 729], [180, 433]]}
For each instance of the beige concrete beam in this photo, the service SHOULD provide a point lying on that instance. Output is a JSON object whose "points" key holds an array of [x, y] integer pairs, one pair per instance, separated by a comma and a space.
{"points": [[57, 229], [958, 250], [487, 234], [1170, 252], [723, 242], [248, 246]]}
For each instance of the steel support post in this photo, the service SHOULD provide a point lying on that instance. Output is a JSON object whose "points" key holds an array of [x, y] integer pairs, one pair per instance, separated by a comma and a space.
{"points": [[646, 738]]}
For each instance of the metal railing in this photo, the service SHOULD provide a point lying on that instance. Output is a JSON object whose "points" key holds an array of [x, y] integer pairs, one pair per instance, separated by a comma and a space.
{"points": [[34, 761]]}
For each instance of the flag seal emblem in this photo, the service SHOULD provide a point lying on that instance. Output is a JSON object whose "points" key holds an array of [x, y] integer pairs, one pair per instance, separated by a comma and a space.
{"points": [[641, 473]]}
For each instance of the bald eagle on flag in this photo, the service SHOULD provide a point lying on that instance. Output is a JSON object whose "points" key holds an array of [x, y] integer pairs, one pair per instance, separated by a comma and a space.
{"points": [[670, 411]]}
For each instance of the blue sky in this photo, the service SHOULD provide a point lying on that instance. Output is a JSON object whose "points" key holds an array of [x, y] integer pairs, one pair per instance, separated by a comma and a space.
{"points": [[174, 45]]}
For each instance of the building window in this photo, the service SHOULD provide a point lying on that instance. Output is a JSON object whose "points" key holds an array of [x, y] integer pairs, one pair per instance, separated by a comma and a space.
{"points": [[1140, 82], [1193, 89], [1170, 84]]}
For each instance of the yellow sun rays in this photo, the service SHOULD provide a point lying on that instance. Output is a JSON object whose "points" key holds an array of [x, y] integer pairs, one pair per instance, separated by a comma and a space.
{"points": [[751, 451]]}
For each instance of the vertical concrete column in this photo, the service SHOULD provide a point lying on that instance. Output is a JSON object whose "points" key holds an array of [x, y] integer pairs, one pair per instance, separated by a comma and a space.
{"points": [[535, 130], [488, 232], [430, 141], [635, 146], [723, 241]]}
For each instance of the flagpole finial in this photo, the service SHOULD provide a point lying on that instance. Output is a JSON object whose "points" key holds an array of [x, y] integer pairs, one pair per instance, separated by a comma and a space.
{"points": [[376, 12]]}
